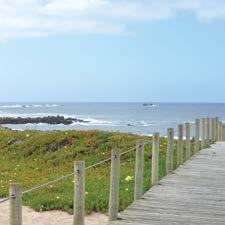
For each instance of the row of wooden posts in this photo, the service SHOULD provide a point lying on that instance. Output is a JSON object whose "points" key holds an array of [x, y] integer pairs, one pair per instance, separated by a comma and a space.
{"points": [[207, 131]]}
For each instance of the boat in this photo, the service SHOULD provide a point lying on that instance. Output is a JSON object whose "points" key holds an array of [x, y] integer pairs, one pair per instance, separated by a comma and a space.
{"points": [[149, 105]]}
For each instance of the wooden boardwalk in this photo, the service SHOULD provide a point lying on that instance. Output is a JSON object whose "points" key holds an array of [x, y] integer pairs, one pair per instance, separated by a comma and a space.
{"points": [[194, 194]]}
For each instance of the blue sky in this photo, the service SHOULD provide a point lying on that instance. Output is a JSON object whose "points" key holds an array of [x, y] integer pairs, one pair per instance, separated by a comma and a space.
{"points": [[134, 52]]}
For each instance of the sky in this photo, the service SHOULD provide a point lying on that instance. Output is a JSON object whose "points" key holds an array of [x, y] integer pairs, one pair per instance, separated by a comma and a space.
{"points": [[112, 50]]}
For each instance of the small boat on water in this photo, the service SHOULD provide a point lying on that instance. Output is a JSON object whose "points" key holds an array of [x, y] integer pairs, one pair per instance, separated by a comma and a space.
{"points": [[149, 105]]}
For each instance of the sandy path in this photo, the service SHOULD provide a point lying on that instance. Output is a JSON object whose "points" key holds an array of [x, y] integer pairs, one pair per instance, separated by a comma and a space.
{"points": [[49, 218]]}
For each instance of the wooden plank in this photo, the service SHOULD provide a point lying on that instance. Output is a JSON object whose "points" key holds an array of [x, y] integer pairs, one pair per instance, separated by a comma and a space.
{"points": [[194, 194]]}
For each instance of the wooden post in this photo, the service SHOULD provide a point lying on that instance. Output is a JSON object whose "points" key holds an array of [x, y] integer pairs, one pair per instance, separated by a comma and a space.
{"points": [[139, 170], [170, 148], [180, 145], [15, 204], [114, 185], [220, 131], [155, 159], [207, 132], [202, 133], [223, 132], [212, 130], [216, 128], [79, 193], [188, 141], [197, 129]]}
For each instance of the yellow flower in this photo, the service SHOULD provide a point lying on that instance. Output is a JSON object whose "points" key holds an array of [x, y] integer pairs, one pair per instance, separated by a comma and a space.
{"points": [[129, 178]]}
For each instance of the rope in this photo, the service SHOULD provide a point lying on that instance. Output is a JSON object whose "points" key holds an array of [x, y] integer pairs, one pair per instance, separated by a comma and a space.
{"points": [[109, 159], [99, 163], [148, 142], [5, 199], [71, 174], [130, 150], [48, 183]]}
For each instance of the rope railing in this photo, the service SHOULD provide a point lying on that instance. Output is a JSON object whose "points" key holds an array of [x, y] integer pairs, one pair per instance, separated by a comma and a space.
{"points": [[6, 199], [97, 164], [128, 151], [70, 174], [214, 125], [73, 173], [48, 183], [36, 188]]}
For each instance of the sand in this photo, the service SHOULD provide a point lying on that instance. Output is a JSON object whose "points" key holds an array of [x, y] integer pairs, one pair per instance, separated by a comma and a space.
{"points": [[49, 218]]}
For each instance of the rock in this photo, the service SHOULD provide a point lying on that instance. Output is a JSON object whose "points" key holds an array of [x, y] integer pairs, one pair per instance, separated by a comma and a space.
{"points": [[36, 120], [130, 125]]}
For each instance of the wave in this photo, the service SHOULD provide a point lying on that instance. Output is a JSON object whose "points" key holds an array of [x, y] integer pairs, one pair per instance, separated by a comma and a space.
{"points": [[97, 122], [28, 105]]}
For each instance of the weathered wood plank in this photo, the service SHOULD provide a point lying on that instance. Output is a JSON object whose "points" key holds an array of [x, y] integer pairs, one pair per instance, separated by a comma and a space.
{"points": [[194, 194]]}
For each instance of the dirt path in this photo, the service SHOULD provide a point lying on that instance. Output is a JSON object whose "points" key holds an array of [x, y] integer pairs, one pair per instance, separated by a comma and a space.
{"points": [[49, 218]]}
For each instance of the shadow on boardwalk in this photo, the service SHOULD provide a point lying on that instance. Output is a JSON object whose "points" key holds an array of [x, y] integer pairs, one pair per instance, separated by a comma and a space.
{"points": [[194, 194]]}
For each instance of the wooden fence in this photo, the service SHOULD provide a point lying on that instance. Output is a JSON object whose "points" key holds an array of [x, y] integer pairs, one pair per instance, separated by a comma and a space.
{"points": [[212, 130]]}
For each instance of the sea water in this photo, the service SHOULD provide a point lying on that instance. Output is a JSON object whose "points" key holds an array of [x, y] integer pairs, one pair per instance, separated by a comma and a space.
{"points": [[138, 118]]}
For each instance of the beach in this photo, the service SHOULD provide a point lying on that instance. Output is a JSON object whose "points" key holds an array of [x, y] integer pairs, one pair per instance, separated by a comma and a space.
{"points": [[49, 218]]}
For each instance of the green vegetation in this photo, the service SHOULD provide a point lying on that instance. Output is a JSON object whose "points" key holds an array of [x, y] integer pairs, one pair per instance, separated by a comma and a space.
{"points": [[35, 157]]}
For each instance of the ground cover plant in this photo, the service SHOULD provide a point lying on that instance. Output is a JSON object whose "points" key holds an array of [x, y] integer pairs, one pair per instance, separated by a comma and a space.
{"points": [[35, 157]]}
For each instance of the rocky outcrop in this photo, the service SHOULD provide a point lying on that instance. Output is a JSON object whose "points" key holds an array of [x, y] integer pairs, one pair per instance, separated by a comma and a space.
{"points": [[36, 120]]}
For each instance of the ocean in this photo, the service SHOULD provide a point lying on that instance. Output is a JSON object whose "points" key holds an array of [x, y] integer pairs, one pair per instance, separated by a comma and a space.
{"points": [[135, 118]]}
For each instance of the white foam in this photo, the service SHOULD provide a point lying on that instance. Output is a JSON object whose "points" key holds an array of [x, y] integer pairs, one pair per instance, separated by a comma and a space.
{"points": [[145, 123], [96, 122], [28, 105]]}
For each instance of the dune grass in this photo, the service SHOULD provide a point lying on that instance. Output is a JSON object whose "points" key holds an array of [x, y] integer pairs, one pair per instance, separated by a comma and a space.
{"points": [[35, 157]]}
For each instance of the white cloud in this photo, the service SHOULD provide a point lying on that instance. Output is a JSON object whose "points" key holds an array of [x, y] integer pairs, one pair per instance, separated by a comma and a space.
{"points": [[28, 18]]}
